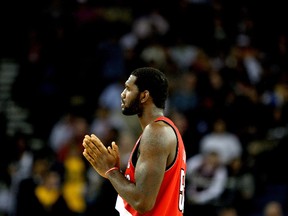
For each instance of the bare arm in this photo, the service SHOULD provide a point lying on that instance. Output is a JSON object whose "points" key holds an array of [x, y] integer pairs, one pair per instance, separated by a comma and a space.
{"points": [[157, 149]]}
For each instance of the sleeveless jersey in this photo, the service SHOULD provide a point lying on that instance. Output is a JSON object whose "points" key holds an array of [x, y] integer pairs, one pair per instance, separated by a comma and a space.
{"points": [[170, 199]]}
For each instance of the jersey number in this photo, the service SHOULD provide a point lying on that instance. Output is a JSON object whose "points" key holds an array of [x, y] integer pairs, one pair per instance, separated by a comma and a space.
{"points": [[181, 191]]}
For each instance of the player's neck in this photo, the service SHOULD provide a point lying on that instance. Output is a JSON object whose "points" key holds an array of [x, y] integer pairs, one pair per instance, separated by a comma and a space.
{"points": [[149, 115]]}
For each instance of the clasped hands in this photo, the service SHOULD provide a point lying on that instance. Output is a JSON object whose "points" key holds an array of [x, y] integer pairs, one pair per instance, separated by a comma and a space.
{"points": [[100, 157]]}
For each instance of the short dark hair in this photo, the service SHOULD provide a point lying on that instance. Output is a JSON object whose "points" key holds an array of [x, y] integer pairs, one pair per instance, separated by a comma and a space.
{"points": [[153, 80]]}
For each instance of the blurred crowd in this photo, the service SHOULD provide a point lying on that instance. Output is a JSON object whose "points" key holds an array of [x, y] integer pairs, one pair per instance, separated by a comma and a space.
{"points": [[63, 64]]}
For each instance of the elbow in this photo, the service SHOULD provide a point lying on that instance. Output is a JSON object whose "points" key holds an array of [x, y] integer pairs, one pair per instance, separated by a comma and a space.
{"points": [[144, 206]]}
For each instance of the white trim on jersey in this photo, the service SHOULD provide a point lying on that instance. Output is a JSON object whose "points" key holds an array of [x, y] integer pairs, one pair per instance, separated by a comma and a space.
{"points": [[120, 207]]}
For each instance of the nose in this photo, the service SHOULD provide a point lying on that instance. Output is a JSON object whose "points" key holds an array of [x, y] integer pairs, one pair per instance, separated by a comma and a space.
{"points": [[122, 94]]}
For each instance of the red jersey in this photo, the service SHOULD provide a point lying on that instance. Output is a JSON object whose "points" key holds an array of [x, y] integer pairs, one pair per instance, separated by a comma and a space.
{"points": [[170, 199]]}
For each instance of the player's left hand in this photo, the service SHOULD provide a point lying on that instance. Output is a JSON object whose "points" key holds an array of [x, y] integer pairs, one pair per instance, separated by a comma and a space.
{"points": [[101, 158]]}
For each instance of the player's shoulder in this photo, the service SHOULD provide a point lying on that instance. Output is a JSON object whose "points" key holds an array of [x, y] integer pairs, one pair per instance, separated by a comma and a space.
{"points": [[159, 129], [158, 137], [158, 126]]}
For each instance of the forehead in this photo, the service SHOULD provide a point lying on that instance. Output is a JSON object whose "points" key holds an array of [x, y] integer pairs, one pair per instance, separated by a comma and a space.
{"points": [[131, 80]]}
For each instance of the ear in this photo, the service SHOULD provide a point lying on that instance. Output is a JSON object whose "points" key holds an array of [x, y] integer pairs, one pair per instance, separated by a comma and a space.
{"points": [[144, 96]]}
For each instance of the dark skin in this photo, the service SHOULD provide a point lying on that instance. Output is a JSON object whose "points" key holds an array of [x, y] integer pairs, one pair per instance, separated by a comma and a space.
{"points": [[156, 152]]}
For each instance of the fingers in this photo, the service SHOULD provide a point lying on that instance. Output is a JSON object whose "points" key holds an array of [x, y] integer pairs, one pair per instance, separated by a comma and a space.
{"points": [[115, 147], [88, 157], [94, 148], [97, 142], [115, 153], [114, 150], [93, 162], [93, 144], [89, 146], [98, 155]]}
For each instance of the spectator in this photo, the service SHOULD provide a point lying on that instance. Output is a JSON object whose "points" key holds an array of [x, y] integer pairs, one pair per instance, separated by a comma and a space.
{"points": [[240, 188], [220, 140], [227, 211], [273, 208], [206, 178], [184, 98]]}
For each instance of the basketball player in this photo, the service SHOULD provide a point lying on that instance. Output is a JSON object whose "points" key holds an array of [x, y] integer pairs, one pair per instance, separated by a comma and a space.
{"points": [[154, 180]]}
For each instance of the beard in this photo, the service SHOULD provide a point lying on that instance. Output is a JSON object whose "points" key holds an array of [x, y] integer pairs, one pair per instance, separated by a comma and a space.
{"points": [[134, 107]]}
